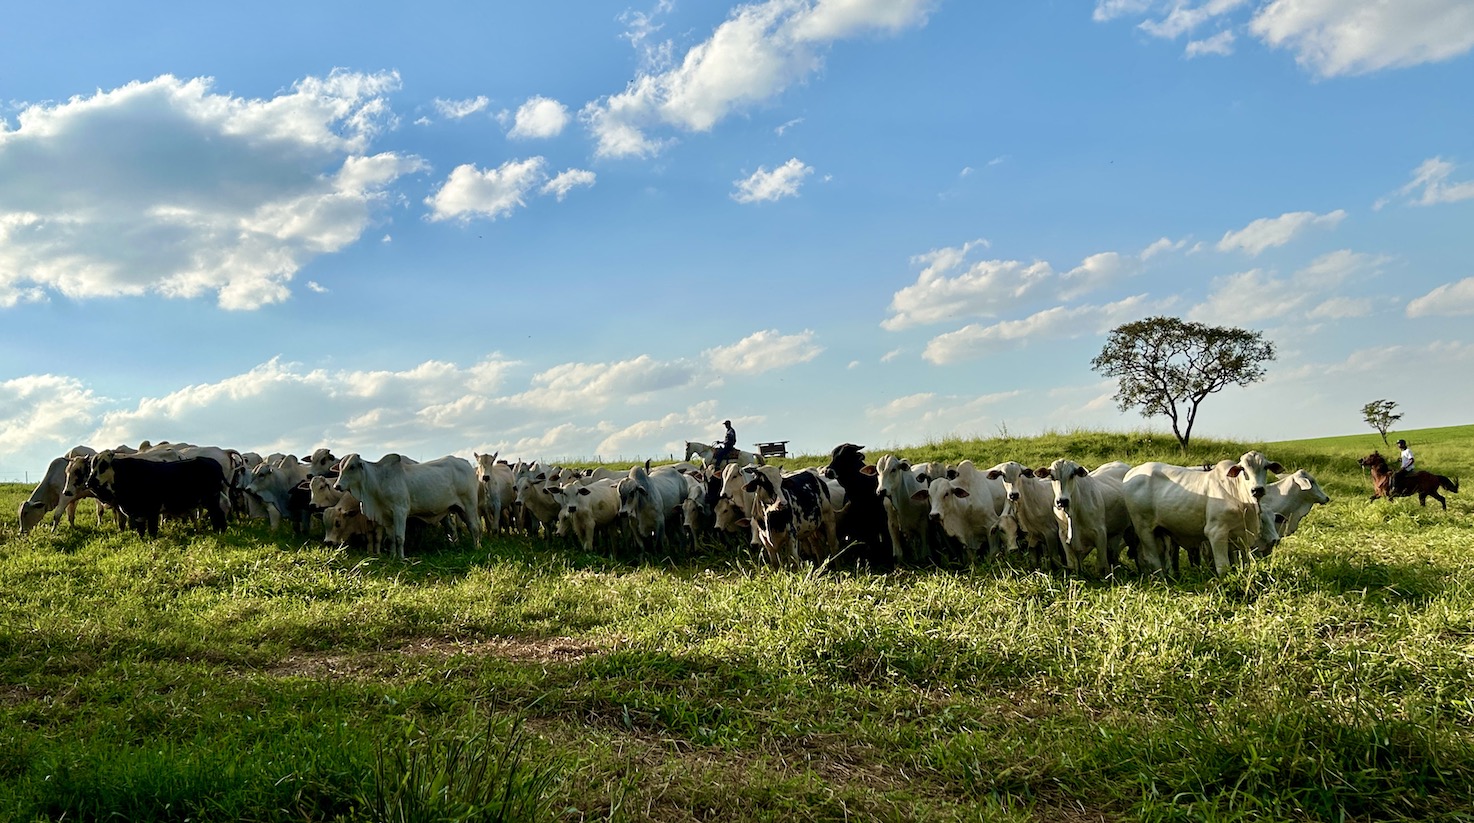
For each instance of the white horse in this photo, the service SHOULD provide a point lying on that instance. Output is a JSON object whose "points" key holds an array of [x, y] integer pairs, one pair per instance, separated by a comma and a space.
{"points": [[706, 450]]}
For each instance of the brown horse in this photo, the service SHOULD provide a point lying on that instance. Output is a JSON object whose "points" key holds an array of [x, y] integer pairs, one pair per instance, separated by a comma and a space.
{"points": [[1423, 484]]}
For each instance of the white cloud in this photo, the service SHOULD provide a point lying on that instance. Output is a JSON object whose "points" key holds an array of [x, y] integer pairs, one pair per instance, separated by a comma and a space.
{"points": [[566, 181], [767, 186], [1096, 271], [165, 186], [1448, 300], [1327, 37], [755, 54], [1220, 44], [1336, 37], [975, 340], [1314, 291], [763, 351], [539, 117], [668, 434], [592, 386], [929, 415], [788, 125], [492, 193], [458, 109], [1432, 178], [1161, 246], [1268, 232], [44, 412], [983, 288]]}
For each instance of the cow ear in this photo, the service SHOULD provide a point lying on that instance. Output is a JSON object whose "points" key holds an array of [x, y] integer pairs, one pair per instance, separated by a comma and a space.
{"points": [[1276, 468], [584, 490], [961, 492], [868, 470], [1080, 471], [1302, 481], [994, 474], [750, 487], [743, 523], [920, 494], [1235, 470], [1042, 473], [951, 474]]}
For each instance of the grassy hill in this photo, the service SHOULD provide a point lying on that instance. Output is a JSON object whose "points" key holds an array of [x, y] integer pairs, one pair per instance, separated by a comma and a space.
{"points": [[251, 676]]}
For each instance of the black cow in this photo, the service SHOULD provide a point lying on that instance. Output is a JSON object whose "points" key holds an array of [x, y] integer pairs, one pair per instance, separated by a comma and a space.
{"points": [[145, 489], [864, 516]]}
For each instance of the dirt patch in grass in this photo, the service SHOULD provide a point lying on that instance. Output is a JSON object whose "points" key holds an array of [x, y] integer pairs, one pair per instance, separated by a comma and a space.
{"points": [[539, 650]]}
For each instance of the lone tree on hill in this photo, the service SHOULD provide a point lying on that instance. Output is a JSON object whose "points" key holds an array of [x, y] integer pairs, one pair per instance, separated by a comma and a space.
{"points": [[1379, 416], [1168, 366]]}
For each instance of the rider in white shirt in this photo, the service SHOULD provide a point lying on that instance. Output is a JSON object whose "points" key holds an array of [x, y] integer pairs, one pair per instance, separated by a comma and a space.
{"points": [[1405, 467]]}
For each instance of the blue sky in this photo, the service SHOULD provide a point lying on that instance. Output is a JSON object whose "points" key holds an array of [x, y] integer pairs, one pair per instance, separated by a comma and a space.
{"points": [[562, 230]]}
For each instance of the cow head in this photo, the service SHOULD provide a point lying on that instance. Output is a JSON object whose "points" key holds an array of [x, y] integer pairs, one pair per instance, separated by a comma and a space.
{"points": [[100, 474], [846, 460], [1252, 472], [350, 473], [1062, 473]]}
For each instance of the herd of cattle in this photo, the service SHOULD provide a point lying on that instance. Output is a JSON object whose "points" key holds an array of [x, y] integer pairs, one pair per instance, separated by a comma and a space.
{"points": [[882, 514]]}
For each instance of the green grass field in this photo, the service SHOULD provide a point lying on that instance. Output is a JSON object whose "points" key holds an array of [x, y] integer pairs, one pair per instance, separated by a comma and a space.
{"points": [[257, 677]]}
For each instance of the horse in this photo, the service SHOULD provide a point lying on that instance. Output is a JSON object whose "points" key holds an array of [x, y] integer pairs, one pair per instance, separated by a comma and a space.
{"points": [[706, 450], [1423, 484]]}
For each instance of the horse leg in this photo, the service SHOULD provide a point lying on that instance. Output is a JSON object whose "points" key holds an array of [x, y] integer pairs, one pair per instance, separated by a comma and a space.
{"points": [[1439, 498]]}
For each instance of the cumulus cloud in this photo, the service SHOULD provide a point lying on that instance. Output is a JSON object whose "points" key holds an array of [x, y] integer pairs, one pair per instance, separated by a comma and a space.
{"points": [[765, 185], [1268, 232], [764, 351], [1327, 37], [470, 192], [1448, 300], [1220, 44], [592, 386], [566, 181], [930, 415], [167, 187], [458, 109], [949, 286], [977, 340], [539, 117], [1336, 37], [44, 413], [755, 54], [1431, 179], [1257, 295]]}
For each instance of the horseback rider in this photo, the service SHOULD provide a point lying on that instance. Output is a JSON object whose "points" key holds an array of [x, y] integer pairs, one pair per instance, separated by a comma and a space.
{"points": [[727, 448], [1404, 468]]}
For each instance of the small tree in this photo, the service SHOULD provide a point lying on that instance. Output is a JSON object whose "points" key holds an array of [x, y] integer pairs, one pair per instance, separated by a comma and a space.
{"points": [[1379, 416], [1167, 366]]}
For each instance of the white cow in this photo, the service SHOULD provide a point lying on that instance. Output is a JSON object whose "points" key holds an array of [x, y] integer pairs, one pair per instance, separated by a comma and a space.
{"points": [[589, 509], [1089, 510], [498, 491], [906, 516], [392, 490], [1292, 498], [1029, 509], [322, 463], [649, 501], [1219, 507], [967, 505]]}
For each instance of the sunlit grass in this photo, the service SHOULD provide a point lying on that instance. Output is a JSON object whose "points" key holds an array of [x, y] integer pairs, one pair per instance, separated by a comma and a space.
{"points": [[251, 676]]}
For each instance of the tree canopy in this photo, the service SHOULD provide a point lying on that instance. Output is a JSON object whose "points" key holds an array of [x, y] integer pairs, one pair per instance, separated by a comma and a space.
{"points": [[1379, 415], [1168, 366]]}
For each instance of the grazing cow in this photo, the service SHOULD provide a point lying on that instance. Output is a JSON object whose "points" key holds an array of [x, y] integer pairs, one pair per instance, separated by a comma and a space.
{"points": [[589, 509], [144, 489], [966, 505], [906, 515], [1219, 506], [393, 489], [46, 496], [345, 525], [864, 521], [1089, 511], [648, 501], [498, 491], [795, 514], [1292, 498]]}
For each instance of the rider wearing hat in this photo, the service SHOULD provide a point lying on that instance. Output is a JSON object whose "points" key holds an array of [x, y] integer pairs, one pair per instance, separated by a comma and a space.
{"points": [[727, 449]]}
